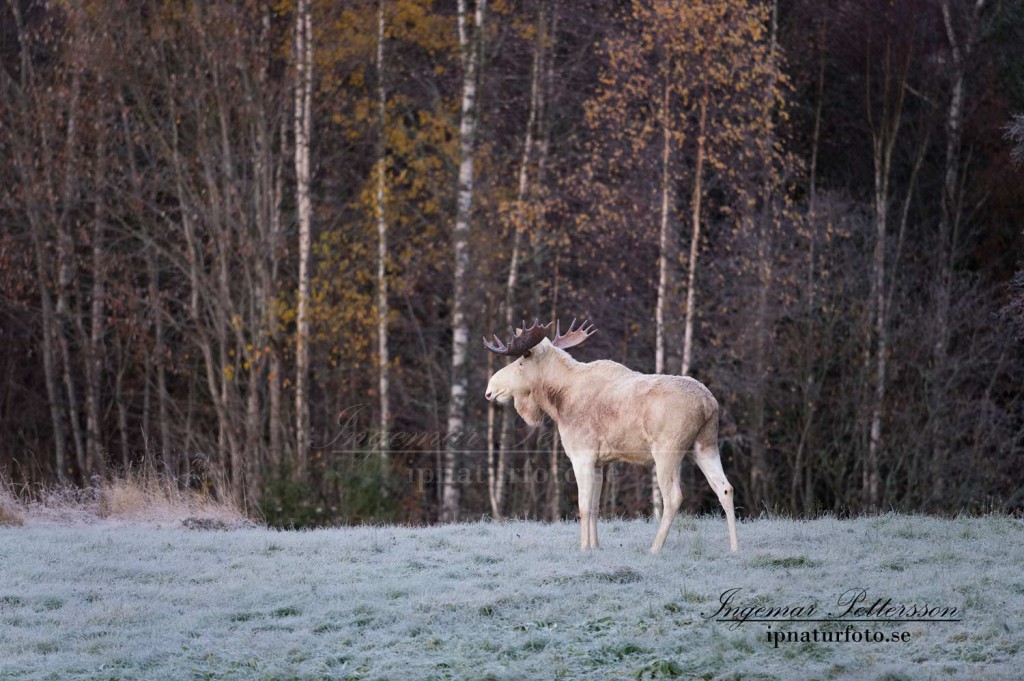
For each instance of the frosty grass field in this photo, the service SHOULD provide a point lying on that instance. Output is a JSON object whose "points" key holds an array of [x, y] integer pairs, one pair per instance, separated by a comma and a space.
{"points": [[510, 600]]}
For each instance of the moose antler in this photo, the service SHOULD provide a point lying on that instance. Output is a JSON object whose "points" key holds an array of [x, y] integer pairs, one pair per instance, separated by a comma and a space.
{"points": [[520, 340], [572, 338]]}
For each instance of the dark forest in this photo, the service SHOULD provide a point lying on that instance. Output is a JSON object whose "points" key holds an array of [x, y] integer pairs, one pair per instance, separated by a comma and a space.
{"points": [[251, 247]]}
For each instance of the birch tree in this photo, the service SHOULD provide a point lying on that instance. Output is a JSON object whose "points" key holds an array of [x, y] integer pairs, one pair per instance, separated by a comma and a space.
{"points": [[884, 128], [382, 244], [520, 216], [470, 48], [684, 93], [303, 131], [962, 33]]}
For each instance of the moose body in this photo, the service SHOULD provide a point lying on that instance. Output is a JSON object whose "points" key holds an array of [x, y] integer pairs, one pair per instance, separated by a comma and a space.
{"points": [[606, 412]]}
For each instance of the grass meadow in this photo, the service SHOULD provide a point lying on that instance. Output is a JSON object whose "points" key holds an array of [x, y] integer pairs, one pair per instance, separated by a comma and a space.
{"points": [[120, 597]]}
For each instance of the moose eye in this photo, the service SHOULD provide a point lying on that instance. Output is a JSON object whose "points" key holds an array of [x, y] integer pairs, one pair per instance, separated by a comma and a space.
{"points": [[526, 354]]}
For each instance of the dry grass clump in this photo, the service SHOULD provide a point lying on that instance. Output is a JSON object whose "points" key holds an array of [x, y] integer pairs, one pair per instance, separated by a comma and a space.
{"points": [[10, 513], [133, 497], [151, 498]]}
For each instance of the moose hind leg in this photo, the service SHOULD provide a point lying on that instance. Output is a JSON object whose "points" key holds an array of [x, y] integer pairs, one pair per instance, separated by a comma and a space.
{"points": [[667, 468], [710, 463]]}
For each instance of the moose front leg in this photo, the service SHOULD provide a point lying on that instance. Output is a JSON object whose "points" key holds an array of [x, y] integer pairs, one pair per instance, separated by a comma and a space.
{"points": [[586, 477], [595, 504]]}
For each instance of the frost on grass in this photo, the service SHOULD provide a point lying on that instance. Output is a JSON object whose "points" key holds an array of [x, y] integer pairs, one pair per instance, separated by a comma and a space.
{"points": [[502, 601]]}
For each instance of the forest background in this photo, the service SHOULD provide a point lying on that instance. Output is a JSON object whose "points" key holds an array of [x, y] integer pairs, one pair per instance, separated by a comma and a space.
{"points": [[249, 246]]}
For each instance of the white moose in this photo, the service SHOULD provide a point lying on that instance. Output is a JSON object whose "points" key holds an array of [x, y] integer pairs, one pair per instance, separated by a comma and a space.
{"points": [[606, 412]]}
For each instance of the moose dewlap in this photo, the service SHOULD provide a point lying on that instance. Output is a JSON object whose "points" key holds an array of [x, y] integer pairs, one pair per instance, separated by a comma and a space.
{"points": [[606, 412]]}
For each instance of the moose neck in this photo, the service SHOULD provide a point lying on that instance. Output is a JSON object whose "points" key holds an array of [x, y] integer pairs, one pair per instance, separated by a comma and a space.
{"points": [[551, 392]]}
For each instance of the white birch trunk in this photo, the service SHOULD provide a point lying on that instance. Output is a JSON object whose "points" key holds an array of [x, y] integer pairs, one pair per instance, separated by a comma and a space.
{"points": [[492, 478], [691, 275], [663, 244], [960, 50], [303, 130], [883, 144], [470, 47], [663, 234], [498, 484], [382, 246], [870, 477], [555, 505]]}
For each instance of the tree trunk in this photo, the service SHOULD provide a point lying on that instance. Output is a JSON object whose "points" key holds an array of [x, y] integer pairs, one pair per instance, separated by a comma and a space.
{"points": [[949, 215], [194, 254], [303, 131], [158, 356], [870, 481], [94, 366], [492, 479], [147, 382], [554, 506], [276, 373], [156, 318], [663, 235], [949, 222], [808, 403], [518, 228], [695, 203], [382, 244], [222, 318], [65, 251], [259, 277], [253, 440], [766, 227], [884, 137], [758, 462], [49, 332], [276, 422], [470, 47], [122, 409], [663, 246], [65, 269]]}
